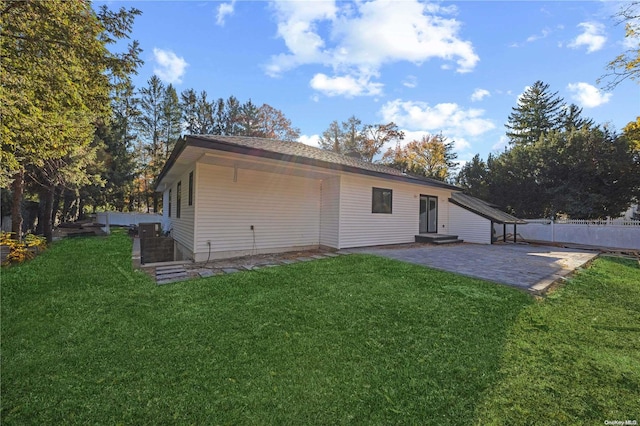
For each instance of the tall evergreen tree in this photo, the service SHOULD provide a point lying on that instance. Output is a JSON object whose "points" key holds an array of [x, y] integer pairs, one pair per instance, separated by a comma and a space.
{"points": [[537, 112], [249, 120], [571, 118], [150, 133], [473, 177], [188, 104], [233, 117], [170, 120]]}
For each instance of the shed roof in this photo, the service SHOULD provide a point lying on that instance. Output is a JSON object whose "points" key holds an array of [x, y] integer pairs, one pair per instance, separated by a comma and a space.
{"points": [[294, 152], [483, 209]]}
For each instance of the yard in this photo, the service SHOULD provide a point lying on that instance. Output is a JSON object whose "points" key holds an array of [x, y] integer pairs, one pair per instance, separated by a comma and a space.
{"points": [[353, 339]]}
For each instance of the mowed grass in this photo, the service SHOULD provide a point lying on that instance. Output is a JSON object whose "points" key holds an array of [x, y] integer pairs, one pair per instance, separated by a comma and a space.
{"points": [[574, 359], [355, 339]]}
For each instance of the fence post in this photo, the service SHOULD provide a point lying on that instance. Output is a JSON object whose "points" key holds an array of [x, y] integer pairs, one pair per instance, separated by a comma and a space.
{"points": [[106, 228], [553, 232]]}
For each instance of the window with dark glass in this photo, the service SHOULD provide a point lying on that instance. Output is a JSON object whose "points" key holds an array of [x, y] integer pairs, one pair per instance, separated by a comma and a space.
{"points": [[191, 188], [381, 200], [178, 198], [169, 203]]}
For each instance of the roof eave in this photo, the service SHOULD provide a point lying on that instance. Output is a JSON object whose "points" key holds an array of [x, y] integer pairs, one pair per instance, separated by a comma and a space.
{"points": [[195, 141]]}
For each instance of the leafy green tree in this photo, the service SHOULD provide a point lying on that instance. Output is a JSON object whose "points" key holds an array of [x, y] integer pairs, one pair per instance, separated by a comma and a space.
{"points": [[56, 84], [514, 182], [588, 173], [537, 112]]}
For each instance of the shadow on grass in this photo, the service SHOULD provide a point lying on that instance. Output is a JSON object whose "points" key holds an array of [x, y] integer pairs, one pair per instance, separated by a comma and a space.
{"points": [[355, 339]]}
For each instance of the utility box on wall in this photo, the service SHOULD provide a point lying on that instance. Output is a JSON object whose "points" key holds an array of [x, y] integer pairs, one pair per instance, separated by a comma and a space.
{"points": [[154, 247]]}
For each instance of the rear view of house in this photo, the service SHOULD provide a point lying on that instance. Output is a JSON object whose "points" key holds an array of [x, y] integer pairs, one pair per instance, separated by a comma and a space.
{"points": [[227, 196]]}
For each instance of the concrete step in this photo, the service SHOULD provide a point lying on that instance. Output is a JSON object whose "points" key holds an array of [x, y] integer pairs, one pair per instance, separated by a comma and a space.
{"points": [[170, 274], [447, 241], [436, 238]]}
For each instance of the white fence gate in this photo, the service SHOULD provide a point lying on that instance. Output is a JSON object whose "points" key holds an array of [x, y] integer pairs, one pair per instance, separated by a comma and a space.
{"points": [[126, 219], [612, 233]]}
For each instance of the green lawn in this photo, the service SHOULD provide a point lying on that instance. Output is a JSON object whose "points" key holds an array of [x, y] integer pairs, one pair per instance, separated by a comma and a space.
{"points": [[354, 339]]}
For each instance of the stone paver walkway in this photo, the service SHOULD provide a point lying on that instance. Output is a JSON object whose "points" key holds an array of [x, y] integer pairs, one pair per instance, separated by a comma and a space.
{"points": [[530, 267]]}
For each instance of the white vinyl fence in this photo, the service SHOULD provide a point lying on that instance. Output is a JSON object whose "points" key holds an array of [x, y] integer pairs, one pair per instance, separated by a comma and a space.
{"points": [[126, 219], [612, 233]]}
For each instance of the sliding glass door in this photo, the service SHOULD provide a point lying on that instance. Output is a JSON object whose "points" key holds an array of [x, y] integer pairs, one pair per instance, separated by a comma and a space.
{"points": [[428, 214]]}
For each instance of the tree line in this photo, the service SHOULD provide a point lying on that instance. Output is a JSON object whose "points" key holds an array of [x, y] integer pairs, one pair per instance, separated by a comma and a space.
{"points": [[558, 163], [146, 126], [76, 134], [431, 156]]}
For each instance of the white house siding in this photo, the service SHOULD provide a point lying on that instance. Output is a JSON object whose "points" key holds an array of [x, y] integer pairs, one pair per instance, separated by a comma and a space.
{"points": [[360, 227], [182, 228], [469, 226], [330, 212], [284, 210]]}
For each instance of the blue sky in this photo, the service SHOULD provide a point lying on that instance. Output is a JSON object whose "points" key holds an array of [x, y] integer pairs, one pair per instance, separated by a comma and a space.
{"points": [[455, 68]]}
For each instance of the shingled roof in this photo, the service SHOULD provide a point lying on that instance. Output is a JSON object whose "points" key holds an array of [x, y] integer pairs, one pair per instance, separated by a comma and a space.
{"points": [[294, 152], [483, 209]]}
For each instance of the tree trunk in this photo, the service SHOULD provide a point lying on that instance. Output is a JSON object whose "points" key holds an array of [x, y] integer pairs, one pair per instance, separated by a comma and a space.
{"points": [[16, 210], [47, 226]]}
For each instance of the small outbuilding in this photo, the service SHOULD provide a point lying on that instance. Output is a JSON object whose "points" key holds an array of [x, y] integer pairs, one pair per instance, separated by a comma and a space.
{"points": [[473, 219]]}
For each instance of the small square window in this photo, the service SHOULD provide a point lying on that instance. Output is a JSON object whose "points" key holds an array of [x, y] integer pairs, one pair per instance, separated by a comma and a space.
{"points": [[381, 200]]}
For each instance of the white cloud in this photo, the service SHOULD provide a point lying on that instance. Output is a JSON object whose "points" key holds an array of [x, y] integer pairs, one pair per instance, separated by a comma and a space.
{"points": [[631, 42], [169, 66], [479, 94], [357, 38], [501, 144], [312, 140], [543, 34], [410, 81], [593, 37], [347, 86], [224, 10], [448, 118], [587, 95]]}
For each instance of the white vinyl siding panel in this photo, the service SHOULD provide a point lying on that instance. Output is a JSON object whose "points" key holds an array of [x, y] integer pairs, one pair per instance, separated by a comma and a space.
{"points": [[283, 209], [360, 227], [330, 212], [469, 226], [182, 228]]}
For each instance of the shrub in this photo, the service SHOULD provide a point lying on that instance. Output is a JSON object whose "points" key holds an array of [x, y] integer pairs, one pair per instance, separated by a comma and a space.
{"points": [[19, 251]]}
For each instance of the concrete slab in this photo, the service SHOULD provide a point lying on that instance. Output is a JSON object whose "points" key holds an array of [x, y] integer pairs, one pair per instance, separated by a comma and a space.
{"points": [[529, 267]]}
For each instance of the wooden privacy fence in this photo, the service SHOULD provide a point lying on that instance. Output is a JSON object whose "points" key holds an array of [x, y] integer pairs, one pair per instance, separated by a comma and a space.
{"points": [[611, 233]]}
